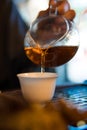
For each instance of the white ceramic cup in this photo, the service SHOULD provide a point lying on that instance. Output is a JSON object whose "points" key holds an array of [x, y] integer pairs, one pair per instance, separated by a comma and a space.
{"points": [[37, 86]]}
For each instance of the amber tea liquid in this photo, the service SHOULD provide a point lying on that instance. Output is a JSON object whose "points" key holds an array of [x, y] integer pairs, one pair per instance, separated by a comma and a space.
{"points": [[52, 57]]}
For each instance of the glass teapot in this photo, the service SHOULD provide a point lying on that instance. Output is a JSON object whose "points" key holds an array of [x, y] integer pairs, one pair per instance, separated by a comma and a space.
{"points": [[51, 40]]}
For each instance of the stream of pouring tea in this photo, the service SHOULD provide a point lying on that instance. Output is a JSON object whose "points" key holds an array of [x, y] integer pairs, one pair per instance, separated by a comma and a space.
{"points": [[43, 54], [42, 62]]}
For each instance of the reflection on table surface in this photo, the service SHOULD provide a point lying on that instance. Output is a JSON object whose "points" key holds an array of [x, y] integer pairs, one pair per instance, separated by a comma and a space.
{"points": [[76, 94]]}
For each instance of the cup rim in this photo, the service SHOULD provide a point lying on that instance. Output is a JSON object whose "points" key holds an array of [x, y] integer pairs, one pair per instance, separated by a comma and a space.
{"points": [[38, 75]]}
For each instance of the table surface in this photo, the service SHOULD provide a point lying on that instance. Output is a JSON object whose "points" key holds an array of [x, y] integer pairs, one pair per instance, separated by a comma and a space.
{"points": [[75, 93], [13, 101]]}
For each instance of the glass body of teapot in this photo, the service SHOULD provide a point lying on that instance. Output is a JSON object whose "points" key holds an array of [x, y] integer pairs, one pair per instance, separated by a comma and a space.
{"points": [[51, 41]]}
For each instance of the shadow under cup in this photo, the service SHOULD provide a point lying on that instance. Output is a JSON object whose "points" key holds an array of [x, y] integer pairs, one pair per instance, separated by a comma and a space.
{"points": [[37, 86]]}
